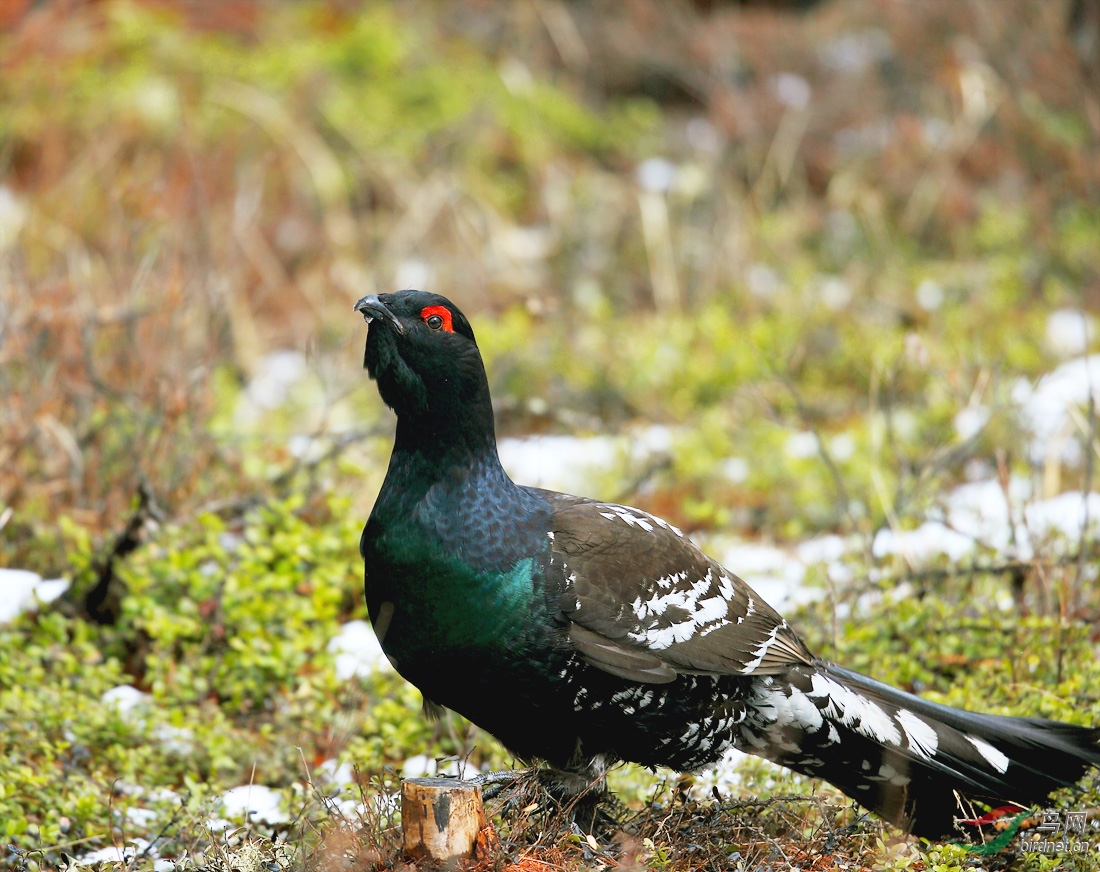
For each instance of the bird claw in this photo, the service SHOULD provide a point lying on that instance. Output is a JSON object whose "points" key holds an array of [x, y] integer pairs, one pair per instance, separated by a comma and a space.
{"points": [[492, 784]]}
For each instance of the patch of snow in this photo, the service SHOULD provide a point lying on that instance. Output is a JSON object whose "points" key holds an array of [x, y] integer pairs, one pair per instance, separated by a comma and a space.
{"points": [[829, 551], [656, 174], [723, 775], [176, 740], [458, 769], [874, 598], [140, 817], [230, 542], [276, 373], [977, 514], [151, 794], [357, 651], [13, 215], [762, 280], [1063, 514], [516, 77], [568, 463], [842, 447], [18, 587], [928, 540], [50, 589], [835, 292], [801, 445], [418, 766], [1045, 407], [255, 802], [979, 510], [929, 295], [772, 572], [307, 448], [970, 421], [1069, 332], [823, 549], [792, 90], [734, 469], [779, 575], [126, 698], [114, 854], [336, 773], [421, 765], [21, 589]]}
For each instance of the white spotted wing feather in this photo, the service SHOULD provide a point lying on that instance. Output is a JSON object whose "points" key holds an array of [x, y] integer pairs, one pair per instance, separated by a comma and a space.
{"points": [[644, 603]]}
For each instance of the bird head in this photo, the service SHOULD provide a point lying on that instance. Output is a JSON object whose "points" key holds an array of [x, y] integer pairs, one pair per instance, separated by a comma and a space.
{"points": [[422, 353]]}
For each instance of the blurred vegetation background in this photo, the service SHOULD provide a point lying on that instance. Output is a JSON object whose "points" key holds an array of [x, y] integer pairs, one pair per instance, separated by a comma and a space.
{"points": [[750, 193], [819, 253]]}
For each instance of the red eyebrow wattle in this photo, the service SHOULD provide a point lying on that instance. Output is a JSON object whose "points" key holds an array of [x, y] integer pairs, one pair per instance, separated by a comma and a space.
{"points": [[443, 312]]}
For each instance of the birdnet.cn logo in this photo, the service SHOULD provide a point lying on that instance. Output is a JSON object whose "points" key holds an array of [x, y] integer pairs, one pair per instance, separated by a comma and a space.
{"points": [[1062, 832]]}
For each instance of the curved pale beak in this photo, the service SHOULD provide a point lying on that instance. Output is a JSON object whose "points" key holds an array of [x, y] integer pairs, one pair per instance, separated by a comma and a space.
{"points": [[373, 308]]}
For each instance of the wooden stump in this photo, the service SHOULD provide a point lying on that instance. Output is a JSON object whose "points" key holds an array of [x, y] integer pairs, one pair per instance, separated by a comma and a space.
{"points": [[440, 817]]}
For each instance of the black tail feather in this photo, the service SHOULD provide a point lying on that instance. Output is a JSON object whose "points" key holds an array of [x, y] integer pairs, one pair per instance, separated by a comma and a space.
{"points": [[912, 761]]}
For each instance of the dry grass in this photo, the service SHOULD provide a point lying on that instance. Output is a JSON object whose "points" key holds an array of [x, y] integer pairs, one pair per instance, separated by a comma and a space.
{"points": [[156, 248]]}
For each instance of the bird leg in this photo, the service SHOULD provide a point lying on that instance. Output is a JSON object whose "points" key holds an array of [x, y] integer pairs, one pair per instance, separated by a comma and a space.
{"points": [[492, 784], [582, 797]]}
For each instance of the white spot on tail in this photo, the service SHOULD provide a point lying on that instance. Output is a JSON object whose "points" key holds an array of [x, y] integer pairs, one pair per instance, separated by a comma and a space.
{"points": [[886, 772], [993, 757], [854, 710], [923, 740], [775, 711]]}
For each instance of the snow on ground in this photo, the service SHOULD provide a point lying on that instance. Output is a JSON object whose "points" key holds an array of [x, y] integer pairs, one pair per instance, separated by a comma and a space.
{"points": [[1046, 407], [421, 766], [255, 803], [126, 698], [569, 463], [21, 589], [276, 375], [723, 775], [1069, 332], [335, 773], [357, 651], [338, 780], [779, 575], [123, 854], [774, 573], [979, 514]]}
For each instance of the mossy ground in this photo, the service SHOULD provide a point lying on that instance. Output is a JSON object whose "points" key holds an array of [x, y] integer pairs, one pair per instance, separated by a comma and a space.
{"points": [[833, 309]]}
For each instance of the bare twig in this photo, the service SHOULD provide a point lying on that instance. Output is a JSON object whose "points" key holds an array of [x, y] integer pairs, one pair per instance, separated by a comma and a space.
{"points": [[1086, 487]]}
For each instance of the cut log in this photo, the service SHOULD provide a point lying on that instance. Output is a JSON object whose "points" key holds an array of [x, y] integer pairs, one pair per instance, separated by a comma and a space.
{"points": [[440, 818]]}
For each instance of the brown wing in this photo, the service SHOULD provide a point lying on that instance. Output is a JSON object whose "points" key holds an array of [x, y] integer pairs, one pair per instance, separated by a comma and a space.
{"points": [[644, 603]]}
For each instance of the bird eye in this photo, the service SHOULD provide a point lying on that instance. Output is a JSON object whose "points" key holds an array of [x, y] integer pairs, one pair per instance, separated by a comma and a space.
{"points": [[437, 318]]}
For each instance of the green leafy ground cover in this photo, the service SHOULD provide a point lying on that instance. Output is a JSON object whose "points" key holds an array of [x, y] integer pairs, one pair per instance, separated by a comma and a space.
{"points": [[177, 202]]}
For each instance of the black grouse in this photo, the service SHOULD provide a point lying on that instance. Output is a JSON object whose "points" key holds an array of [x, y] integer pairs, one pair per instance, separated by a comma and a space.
{"points": [[581, 633]]}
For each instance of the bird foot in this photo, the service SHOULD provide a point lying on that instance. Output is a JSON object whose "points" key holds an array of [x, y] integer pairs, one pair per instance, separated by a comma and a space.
{"points": [[492, 784], [582, 798]]}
